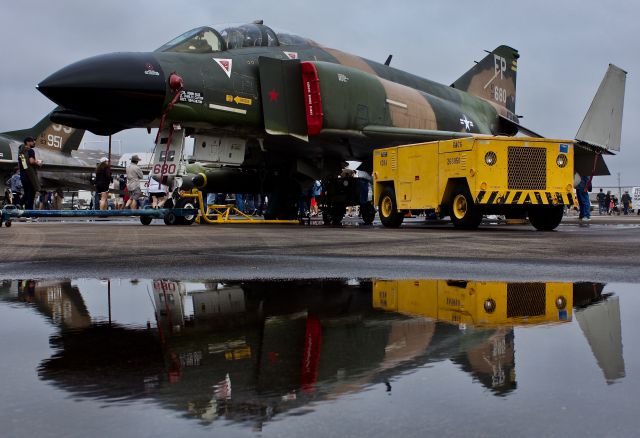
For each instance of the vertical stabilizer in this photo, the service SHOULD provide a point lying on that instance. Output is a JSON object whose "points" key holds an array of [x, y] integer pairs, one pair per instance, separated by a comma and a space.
{"points": [[493, 78], [602, 125], [51, 135]]}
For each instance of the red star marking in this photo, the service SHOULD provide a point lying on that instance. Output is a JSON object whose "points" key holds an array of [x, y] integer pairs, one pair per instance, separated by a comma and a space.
{"points": [[273, 96]]}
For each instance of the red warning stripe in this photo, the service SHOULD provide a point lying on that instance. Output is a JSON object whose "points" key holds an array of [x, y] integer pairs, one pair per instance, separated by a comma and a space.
{"points": [[312, 98]]}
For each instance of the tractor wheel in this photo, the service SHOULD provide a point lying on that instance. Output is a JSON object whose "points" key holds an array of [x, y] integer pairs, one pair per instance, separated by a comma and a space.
{"points": [[388, 209], [145, 220], [546, 218], [464, 212]]}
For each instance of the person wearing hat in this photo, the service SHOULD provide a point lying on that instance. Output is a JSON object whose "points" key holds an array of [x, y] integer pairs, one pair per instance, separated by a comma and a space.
{"points": [[134, 177], [103, 180], [28, 172]]}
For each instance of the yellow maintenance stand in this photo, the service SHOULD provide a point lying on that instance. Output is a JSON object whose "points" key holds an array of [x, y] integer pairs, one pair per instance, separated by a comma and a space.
{"points": [[466, 178], [221, 213]]}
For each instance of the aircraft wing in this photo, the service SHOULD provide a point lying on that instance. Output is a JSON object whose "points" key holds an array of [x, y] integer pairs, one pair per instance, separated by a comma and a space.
{"points": [[409, 134], [282, 102], [10, 165]]}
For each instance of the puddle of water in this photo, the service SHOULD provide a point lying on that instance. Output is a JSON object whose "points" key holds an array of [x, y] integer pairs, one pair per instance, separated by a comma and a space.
{"points": [[334, 357]]}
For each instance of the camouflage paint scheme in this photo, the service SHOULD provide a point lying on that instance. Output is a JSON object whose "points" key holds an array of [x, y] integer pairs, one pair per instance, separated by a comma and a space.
{"points": [[254, 90]]}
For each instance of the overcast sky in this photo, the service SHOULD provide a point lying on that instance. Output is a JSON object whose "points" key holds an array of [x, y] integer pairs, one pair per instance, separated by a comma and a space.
{"points": [[565, 47]]}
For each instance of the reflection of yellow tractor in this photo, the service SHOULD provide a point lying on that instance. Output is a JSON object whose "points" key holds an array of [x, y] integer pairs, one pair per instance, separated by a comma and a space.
{"points": [[478, 303], [466, 178]]}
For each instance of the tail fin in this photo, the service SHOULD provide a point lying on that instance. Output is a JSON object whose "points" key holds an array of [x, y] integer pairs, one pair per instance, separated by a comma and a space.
{"points": [[493, 78], [51, 135], [602, 125]]}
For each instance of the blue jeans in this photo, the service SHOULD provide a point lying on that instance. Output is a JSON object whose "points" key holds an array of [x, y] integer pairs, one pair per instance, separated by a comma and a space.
{"points": [[583, 201]]}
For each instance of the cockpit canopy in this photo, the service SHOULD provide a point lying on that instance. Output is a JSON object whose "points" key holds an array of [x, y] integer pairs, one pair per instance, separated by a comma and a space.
{"points": [[228, 37]]}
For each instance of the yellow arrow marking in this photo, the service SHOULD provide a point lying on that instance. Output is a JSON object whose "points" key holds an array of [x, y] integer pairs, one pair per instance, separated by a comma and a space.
{"points": [[242, 100]]}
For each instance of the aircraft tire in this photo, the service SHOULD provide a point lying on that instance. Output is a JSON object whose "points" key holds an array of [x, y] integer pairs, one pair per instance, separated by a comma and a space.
{"points": [[337, 214], [388, 209], [464, 213], [368, 212], [326, 218], [7, 224], [186, 203], [546, 218]]}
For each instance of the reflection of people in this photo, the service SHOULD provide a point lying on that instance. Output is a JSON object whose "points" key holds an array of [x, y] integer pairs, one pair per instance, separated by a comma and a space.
{"points": [[134, 177], [582, 192], [27, 290], [28, 173], [103, 179]]}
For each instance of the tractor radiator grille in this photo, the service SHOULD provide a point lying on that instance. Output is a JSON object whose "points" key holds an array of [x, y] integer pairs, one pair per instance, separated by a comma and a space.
{"points": [[526, 299], [527, 168]]}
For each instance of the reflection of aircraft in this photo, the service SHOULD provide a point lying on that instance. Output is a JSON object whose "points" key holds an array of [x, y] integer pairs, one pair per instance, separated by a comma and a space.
{"points": [[249, 350], [58, 300], [599, 320], [56, 145], [285, 109]]}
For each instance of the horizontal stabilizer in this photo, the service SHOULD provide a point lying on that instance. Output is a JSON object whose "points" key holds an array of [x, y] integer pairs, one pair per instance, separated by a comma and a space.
{"points": [[602, 125], [589, 161], [511, 128]]}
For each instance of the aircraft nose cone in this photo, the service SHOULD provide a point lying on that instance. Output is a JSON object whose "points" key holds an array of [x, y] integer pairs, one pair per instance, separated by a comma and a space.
{"points": [[125, 88]]}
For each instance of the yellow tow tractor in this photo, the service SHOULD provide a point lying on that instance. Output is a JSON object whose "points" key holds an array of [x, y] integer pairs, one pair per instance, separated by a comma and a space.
{"points": [[467, 178]]}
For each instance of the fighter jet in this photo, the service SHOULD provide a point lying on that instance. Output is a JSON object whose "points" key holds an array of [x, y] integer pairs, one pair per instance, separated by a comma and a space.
{"points": [[56, 145], [281, 109]]}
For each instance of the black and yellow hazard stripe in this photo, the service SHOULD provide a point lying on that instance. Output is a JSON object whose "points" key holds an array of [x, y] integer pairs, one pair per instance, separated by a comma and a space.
{"points": [[521, 197]]}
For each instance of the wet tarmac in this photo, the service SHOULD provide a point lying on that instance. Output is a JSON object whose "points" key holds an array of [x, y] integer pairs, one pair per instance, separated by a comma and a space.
{"points": [[318, 357], [605, 250]]}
